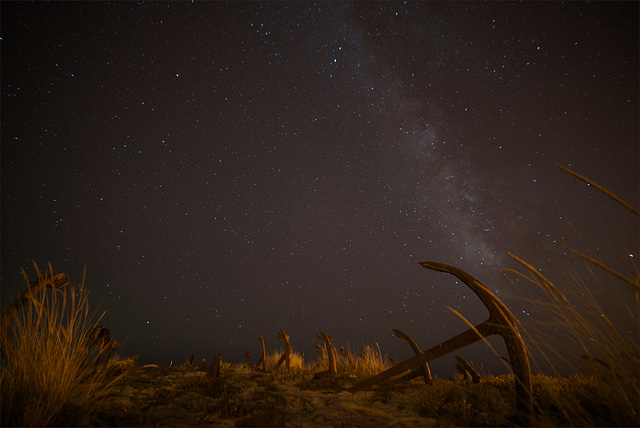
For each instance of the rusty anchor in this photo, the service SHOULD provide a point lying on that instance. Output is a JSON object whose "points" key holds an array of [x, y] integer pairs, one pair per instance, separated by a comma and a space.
{"points": [[286, 355], [263, 356], [466, 370], [332, 372], [501, 322], [424, 369], [99, 342]]}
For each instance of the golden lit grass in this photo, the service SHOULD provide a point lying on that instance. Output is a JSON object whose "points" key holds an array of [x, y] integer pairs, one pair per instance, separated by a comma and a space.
{"points": [[296, 363], [49, 380], [365, 362], [368, 361]]}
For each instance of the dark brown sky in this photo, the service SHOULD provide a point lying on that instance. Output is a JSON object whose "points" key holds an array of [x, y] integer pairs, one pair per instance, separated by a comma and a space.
{"points": [[227, 170]]}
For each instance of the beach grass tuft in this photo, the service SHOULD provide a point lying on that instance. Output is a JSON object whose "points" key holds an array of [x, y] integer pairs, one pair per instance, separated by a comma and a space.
{"points": [[50, 379], [587, 334]]}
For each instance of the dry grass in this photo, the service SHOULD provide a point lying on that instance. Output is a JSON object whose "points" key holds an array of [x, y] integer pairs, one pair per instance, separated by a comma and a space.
{"points": [[365, 362], [575, 333], [296, 363], [560, 401], [49, 379]]}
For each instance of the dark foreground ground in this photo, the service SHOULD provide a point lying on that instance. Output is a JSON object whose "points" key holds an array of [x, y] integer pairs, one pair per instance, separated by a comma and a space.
{"points": [[242, 396], [245, 397]]}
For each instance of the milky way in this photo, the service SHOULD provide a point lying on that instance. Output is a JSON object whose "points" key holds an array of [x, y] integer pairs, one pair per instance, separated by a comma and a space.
{"points": [[227, 170]]}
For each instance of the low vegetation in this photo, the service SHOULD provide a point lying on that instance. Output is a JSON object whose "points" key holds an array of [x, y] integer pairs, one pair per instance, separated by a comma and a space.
{"points": [[601, 358], [38, 390], [50, 378]]}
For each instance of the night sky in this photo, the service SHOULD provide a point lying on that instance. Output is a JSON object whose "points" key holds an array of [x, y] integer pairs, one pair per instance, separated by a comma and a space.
{"points": [[224, 170]]}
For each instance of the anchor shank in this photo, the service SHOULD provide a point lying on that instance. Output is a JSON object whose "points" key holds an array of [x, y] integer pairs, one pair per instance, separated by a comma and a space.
{"points": [[460, 341]]}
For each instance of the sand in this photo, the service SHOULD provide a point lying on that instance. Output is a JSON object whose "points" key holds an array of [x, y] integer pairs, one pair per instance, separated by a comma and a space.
{"points": [[243, 396]]}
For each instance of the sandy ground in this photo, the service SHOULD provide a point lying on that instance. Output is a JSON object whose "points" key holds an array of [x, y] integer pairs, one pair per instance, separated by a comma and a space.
{"points": [[246, 397]]}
